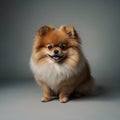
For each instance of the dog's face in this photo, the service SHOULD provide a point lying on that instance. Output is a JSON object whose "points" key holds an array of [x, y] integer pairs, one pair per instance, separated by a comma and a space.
{"points": [[56, 44], [57, 52]]}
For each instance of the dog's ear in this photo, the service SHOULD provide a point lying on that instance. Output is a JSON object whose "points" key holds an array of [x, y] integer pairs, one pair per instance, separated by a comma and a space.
{"points": [[44, 30], [70, 31]]}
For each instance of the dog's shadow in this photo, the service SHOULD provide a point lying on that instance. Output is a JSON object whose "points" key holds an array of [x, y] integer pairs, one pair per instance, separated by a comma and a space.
{"points": [[102, 93]]}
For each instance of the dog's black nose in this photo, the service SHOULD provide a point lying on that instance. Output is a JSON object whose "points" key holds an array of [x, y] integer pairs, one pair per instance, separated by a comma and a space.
{"points": [[56, 51]]}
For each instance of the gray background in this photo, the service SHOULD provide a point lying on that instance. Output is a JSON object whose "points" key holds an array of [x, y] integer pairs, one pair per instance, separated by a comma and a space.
{"points": [[97, 22]]}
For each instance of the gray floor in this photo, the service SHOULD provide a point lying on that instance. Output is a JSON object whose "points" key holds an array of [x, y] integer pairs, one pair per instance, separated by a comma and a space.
{"points": [[21, 101]]}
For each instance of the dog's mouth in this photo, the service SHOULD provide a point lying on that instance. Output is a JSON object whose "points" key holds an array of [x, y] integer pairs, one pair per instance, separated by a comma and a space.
{"points": [[56, 57]]}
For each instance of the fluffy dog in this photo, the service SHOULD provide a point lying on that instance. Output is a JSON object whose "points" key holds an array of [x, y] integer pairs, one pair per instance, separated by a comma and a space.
{"points": [[59, 65]]}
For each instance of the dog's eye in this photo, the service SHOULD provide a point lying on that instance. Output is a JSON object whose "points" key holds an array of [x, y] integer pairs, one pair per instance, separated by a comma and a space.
{"points": [[63, 46], [49, 47]]}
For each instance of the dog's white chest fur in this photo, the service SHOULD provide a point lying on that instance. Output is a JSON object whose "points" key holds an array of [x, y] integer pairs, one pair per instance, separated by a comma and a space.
{"points": [[53, 73]]}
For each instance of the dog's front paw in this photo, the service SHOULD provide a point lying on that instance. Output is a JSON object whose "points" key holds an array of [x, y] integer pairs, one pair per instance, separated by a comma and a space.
{"points": [[63, 99], [45, 99]]}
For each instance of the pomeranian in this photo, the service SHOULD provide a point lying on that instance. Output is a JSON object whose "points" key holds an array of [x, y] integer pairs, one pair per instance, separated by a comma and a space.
{"points": [[59, 65]]}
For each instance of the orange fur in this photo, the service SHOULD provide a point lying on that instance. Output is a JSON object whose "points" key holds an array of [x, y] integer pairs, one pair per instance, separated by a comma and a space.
{"points": [[58, 63]]}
